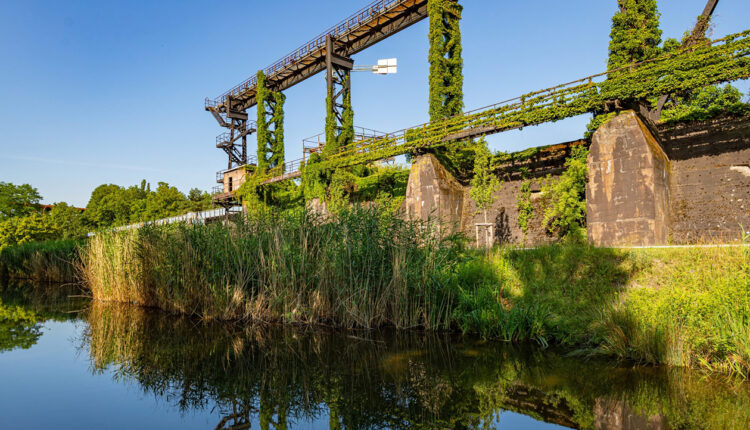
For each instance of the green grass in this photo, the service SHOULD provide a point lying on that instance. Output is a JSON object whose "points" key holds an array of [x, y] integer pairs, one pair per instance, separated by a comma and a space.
{"points": [[359, 269], [50, 261], [680, 307]]}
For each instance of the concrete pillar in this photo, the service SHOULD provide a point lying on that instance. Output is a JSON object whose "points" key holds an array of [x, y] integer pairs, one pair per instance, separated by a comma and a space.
{"points": [[433, 193], [627, 195]]}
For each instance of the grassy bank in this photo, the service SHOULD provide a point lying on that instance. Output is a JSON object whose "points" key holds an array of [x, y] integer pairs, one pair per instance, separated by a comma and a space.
{"points": [[50, 261], [360, 269], [682, 307]]}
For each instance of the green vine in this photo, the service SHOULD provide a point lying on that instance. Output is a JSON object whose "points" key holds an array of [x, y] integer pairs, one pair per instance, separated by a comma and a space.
{"points": [[270, 125], [525, 208], [446, 97], [484, 183]]}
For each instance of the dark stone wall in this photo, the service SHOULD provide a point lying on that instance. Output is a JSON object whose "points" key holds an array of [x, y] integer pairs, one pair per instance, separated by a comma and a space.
{"points": [[710, 192], [546, 162]]}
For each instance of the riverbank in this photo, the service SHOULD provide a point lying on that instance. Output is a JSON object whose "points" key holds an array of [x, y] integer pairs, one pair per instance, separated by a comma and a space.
{"points": [[50, 261], [680, 307]]}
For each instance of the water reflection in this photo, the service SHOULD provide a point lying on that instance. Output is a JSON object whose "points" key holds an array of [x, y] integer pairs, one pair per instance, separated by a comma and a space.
{"points": [[23, 309], [283, 376]]}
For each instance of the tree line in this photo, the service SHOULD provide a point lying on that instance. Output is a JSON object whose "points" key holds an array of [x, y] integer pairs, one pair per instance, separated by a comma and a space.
{"points": [[23, 219]]}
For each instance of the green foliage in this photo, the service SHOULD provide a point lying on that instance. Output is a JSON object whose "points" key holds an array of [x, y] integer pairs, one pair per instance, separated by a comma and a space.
{"points": [[704, 104], [270, 125], [525, 208], [484, 183], [635, 34], [48, 261], [565, 197], [359, 268], [446, 97], [68, 220], [280, 196], [446, 64], [30, 228], [112, 205], [19, 327], [680, 71], [679, 307], [17, 200]]}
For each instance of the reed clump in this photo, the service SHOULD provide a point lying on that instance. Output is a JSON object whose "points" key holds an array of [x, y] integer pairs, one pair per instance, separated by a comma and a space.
{"points": [[49, 261], [361, 268]]}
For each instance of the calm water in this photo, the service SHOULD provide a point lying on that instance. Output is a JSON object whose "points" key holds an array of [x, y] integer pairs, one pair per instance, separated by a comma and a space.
{"points": [[67, 363]]}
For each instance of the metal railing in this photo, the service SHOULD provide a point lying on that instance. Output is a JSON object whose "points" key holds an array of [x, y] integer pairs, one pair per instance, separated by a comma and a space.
{"points": [[190, 218], [354, 22], [250, 126]]}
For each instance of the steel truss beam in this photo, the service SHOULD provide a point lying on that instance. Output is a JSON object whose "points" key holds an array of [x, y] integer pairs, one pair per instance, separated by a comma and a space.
{"points": [[384, 25]]}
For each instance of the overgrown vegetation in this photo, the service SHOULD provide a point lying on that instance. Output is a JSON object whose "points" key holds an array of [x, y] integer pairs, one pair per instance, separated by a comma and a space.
{"points": [[49, 261], [358, 269], [679, 307], [707, 103], [367, 268], [446, 79], [270, 125]]}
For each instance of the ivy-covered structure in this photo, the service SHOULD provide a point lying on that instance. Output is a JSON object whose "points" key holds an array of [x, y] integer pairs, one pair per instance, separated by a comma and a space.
{"points": [[270, 125], [446, 79]]}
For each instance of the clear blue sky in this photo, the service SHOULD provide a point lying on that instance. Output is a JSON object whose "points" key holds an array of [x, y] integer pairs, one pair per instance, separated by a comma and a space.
{"points": [[112, 91]]}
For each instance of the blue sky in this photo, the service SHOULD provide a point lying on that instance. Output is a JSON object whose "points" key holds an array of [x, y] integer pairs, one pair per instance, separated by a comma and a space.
{"points": [[112, 92]]}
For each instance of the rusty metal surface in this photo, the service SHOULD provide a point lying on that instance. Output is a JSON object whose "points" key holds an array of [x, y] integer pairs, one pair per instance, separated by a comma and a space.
{"points": [[371, 24]]}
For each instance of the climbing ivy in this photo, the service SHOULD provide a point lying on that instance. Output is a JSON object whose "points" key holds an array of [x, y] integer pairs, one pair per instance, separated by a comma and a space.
{"points": [[343, 135], [525, 208], [269, 124], [484, 183], [635, 34], [446, 97], [704, 104], [565, 197], [685, 69]]}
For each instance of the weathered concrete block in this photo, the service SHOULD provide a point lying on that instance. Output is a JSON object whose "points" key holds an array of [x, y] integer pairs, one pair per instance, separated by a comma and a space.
{"points": [[433, 193], [628, 190]]}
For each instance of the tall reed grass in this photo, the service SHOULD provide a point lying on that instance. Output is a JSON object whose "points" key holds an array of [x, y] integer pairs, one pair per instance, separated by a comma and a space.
{"points": [[361, 268], [50, 261]]}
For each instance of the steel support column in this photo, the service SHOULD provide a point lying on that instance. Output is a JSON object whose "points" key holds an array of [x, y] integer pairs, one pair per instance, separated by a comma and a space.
{"points": [[339, 85]]}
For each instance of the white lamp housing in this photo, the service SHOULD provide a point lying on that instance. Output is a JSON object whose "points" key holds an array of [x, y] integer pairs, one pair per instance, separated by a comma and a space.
{"points": [[388, 66]]}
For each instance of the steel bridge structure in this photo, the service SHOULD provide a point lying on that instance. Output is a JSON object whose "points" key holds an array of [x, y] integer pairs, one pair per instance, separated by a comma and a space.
{"points": [[690, 68], [695, 65]]}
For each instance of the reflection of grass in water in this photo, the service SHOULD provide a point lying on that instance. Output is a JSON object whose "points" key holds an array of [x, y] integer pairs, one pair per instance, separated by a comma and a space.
{"points": [[396, 381]]}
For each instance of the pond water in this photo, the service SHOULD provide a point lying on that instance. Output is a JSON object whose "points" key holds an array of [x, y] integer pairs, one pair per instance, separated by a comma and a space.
{"points": [[69, 363]]}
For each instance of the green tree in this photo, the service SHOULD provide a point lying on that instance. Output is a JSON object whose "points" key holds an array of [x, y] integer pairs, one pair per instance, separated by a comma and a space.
{"points": [[108, 206], [68, 220], [198, 200], [166, 201], [17, 200], [707, 103], [30, 228]]}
